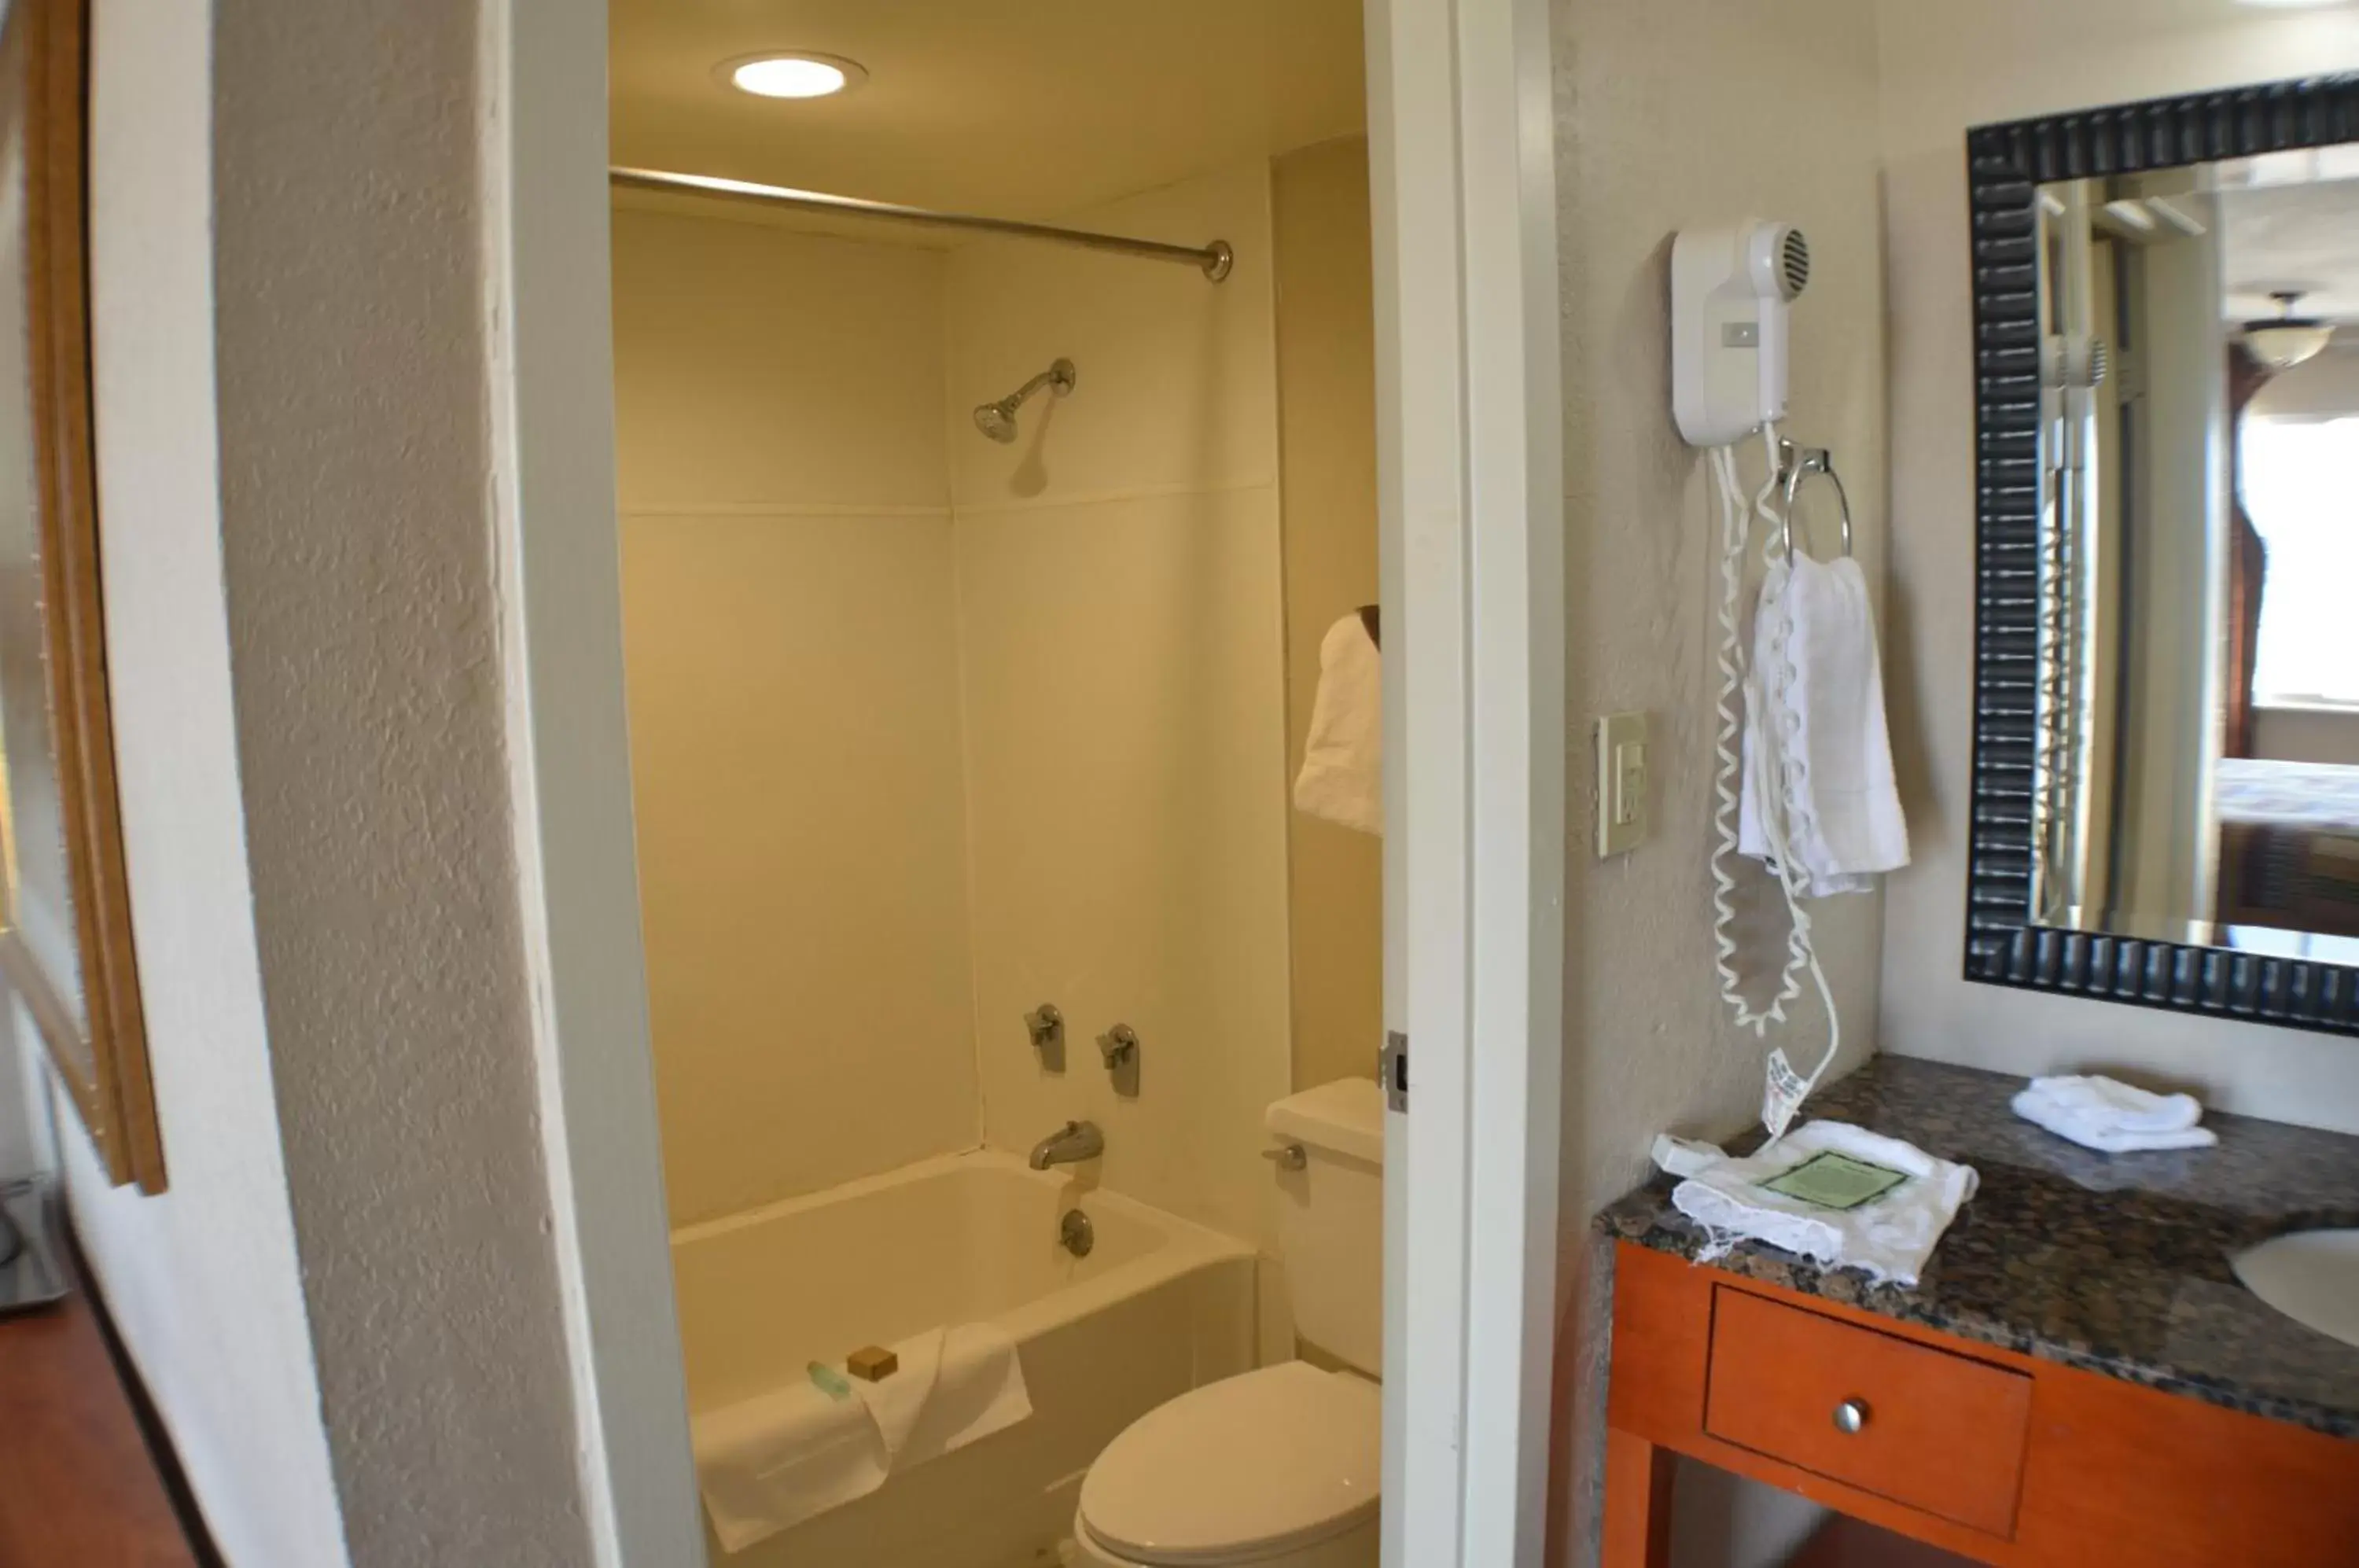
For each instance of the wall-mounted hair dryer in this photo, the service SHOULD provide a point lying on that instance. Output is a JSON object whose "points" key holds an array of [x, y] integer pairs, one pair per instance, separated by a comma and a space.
{"points": [[1729, 288]]}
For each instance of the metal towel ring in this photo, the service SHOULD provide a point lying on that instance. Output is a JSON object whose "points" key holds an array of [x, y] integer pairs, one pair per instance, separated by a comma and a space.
{"points": [[1796, 463]]}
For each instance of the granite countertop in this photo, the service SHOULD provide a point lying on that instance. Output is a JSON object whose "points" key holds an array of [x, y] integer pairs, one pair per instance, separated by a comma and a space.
{"points": [[2117, 1264]]}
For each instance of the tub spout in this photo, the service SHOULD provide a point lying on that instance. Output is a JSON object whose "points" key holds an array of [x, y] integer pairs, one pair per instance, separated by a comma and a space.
{"points": [[1068, 1144]]}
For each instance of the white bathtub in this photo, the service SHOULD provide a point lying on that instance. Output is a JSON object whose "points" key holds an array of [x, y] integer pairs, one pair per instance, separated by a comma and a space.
{"points": [[1159, 1306]]}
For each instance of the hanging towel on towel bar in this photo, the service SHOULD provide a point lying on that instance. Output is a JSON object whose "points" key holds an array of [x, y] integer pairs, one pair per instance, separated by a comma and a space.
{"points": [[1342, 778], [771, 1461], [1816, 679]]}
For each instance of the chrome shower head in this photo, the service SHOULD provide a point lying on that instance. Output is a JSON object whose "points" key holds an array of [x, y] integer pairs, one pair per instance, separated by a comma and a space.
{"points": [[998, 420]]}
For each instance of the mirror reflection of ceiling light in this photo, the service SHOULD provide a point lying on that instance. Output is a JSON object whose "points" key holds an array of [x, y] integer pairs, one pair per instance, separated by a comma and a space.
{"points": [[793, 75], [2286, 340]]}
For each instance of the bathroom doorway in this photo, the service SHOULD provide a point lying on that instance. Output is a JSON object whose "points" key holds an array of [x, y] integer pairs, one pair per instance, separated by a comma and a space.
{"points": [[967, 582]]}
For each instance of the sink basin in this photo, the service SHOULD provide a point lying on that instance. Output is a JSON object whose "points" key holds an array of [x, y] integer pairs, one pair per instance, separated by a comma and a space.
{"points": [[2312, 1277]]}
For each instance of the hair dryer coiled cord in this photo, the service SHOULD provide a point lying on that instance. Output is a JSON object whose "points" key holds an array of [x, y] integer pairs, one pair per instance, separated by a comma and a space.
{"points": [[1736, 524]]}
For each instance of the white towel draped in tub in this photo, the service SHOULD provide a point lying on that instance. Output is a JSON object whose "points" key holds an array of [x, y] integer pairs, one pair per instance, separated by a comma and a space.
{"points": [[1342, 777], [1830, 760], [769, 1462]]}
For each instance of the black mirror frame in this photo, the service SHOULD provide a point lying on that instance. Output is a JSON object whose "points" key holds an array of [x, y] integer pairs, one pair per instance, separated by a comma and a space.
{"points": [[2006, 166]]}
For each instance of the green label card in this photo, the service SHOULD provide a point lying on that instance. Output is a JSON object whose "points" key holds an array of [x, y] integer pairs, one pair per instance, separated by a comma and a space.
{"points": [[1831, 1180]]}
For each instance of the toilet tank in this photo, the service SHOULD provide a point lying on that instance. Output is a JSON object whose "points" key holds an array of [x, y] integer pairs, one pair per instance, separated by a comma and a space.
{"points": [[1330, 1228]]}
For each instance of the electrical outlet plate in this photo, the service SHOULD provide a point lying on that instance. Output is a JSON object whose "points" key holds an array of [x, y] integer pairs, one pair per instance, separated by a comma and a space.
{"points": [[1624, 817]]}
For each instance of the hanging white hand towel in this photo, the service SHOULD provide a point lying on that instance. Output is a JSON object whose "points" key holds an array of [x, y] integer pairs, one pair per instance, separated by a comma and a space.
{"points": [[1912, 1197], [2112, 1117], [1816, 676], [1342, 777]]}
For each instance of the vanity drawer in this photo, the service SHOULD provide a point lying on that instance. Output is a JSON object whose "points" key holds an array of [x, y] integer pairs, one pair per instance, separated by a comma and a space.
{"points": [[1941, 1432]]}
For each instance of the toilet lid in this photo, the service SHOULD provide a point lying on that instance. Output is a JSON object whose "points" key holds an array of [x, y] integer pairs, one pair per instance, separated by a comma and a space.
{"points": [[1240, 1469]]}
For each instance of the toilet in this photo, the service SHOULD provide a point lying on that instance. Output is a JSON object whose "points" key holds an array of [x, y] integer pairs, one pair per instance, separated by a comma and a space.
{"points": [[1276, 1468]]}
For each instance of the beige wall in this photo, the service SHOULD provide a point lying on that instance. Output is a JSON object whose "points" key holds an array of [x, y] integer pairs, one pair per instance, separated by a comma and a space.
{"points": [[1126, 707], [1672, 113], [1327, 470], [1944, 70], [360, 551], [204, 1283], [1662, 128], [2307, 735], [790, 626]]}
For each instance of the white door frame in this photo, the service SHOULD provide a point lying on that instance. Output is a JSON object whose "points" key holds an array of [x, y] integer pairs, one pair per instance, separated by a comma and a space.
{"points": [[1462, 125]]}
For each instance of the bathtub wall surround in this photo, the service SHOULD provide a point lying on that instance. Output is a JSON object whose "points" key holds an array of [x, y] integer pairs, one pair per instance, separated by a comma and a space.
{"points": [[1159, 1306], [1121, 648], [1941, 72], [790, 623], [1048, 677]]}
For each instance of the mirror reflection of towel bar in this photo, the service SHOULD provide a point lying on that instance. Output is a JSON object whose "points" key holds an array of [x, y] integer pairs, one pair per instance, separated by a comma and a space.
{"points": [[1796, 463]]}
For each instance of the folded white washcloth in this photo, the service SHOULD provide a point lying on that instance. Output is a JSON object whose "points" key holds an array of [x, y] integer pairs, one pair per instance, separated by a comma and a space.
{"points": [[771, 1461], [1342, 777], [2122, 1107], [1866, 1201], [2113, 1117]]}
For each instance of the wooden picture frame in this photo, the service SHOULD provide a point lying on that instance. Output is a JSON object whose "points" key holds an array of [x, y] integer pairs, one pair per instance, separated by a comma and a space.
{"points": [[65, 919], [2007, 164]]}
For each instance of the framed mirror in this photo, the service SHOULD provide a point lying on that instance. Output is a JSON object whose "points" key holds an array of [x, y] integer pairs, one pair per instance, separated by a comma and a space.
{"points": [[65, 925], [2166, 790]]}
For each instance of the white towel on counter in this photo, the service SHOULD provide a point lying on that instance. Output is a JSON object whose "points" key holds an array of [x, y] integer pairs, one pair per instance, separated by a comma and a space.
{"points": [[771, 1461], [2113, 1117], [1888, 1236], [1342, 777], [1815, 740]]}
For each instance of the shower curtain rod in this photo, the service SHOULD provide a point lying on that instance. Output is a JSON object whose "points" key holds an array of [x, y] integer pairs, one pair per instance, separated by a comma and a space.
{"points": [[1213, 261]]}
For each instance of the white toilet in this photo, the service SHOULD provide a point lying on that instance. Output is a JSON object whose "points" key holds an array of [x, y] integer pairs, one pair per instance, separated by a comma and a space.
{"points": [[1277, 1469]]}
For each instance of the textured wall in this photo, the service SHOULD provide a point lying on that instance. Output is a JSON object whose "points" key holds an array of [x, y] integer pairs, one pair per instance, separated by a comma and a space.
{"points": [[1327, 456], [1671, 112], [1123, 666], [1942, 72], [791, 630], [363, 613], [203, 1283], [1662, 109]]}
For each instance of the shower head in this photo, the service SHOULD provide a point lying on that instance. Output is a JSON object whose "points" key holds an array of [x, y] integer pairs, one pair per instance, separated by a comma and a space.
{"points": [[998, 420]]}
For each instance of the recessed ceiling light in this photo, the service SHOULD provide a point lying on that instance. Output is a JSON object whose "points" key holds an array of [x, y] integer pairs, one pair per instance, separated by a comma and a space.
{"points": [[791, 75]]}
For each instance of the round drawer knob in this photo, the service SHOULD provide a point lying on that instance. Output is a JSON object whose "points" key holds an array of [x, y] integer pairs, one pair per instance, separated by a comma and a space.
{"points": [[1851, 1415]]}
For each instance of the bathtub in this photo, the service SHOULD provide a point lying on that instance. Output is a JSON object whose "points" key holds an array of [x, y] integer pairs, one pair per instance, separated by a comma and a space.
{"points": [[1159, 1306]]}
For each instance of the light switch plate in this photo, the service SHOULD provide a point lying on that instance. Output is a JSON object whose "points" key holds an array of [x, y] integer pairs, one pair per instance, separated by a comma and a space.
{"points": [[1624, 817]]}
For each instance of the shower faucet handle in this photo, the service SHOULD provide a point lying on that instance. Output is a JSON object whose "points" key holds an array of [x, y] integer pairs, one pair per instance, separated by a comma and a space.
{"points": [[1047, 1026], [1119, 1046]]}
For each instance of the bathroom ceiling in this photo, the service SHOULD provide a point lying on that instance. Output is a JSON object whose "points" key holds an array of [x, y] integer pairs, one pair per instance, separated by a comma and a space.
{"points": [[2302, 237], [1016, 108]]}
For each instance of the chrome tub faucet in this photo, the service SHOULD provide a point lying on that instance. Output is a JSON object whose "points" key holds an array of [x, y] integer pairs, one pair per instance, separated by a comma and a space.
{"points": [[1068, 1145]]}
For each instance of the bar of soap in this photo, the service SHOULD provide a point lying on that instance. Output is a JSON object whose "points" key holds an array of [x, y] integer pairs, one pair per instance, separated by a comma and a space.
{"points": [[872, 1363]]}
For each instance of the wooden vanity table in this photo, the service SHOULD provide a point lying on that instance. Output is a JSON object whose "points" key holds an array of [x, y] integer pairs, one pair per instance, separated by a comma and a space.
{"points": [[2078, 1379]]}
